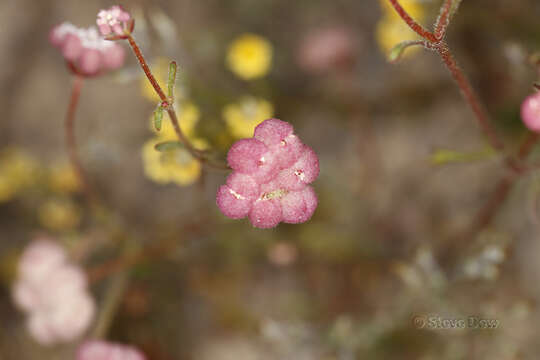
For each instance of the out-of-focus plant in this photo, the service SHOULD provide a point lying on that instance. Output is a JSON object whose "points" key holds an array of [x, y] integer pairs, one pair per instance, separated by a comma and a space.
{"points": [[516, 163], [250, 56]]}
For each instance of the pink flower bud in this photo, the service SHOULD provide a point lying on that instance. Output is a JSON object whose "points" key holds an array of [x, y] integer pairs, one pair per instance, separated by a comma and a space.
{"points": [[530, 112], [87, 52], [53, 294], [272, 131], [114, 20], [270, 180], [299, 206], [103, 350], [235, 198]]}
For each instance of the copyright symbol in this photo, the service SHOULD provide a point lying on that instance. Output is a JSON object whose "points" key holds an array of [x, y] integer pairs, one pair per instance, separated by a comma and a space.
{"points": [[419, 321]]}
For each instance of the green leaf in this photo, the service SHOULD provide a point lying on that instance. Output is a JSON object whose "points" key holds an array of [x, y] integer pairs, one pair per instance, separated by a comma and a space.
{"points": [[172, 78], [397, 51], [158, 117], [445, 156], [168, 145]]}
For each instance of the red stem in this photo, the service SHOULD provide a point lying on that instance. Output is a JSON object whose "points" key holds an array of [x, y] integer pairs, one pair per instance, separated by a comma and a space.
{"points": [[443, 20], [470, 96], [170, 109], [419, 29], [71, 142]]}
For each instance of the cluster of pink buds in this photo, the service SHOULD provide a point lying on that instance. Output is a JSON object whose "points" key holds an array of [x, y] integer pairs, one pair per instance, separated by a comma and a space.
{"points": [[270, 180], [87, 53], [53, 293], [102, 350], [114, 21], [530, 112]]}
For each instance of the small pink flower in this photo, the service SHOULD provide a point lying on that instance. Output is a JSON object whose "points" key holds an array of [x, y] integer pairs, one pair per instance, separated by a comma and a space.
{"points": [[53, 293], [327, 49], [530, 112], [103, 350], [114, 20], [85, 50], [270, 178]]}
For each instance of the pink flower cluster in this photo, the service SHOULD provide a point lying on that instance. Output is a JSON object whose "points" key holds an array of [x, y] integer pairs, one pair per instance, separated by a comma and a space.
{"points": [[85, 50], [113, 21], [53, 293], [270, 180], [530, 112], [102, 350]]}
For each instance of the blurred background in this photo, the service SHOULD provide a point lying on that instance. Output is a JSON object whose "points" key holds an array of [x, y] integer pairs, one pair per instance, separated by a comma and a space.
{"points": [[404, 173]]}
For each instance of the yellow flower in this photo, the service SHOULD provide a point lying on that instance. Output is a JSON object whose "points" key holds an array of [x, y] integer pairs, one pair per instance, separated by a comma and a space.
{"points": [[244, 116], [391, 29], [390, 33], [160, 70], [17, 171], [59, 214], [64, 179], [250, 56], [175, 165], [188, 117], [413, 8]]}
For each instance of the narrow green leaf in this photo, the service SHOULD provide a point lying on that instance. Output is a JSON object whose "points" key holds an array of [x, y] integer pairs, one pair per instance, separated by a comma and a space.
{"points": [[172, 78], [158, 117], [397, 51], [168, 145], [445, 156]]}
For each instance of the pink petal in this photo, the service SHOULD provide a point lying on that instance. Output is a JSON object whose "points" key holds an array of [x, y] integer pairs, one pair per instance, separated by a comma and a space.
{"points": [[104, 29], [272, 131], [71, 47], [90, 62], [265, 214], [232, 204], [250, 156], [287, 151], [299, 206], [243, 184], [303, 172], [113, 57], [530, 112]]}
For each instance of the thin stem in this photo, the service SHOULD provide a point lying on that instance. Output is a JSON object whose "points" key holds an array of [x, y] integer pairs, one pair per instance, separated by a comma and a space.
{"points": [[443, 20], [419, 29], [470, 96], [113, 296], [170, 110], [489, 211], [71, 142]]}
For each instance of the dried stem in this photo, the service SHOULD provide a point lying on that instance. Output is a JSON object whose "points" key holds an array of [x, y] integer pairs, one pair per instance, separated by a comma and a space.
{"points": [[71, 142], [170, 110]]}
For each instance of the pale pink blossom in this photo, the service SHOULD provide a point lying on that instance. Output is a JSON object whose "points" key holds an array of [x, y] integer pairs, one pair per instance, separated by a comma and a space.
{"points": [[271, 176], [85, 50], [326, 49], [530, 112], [53, 293], [113, 21], [103, 350]]}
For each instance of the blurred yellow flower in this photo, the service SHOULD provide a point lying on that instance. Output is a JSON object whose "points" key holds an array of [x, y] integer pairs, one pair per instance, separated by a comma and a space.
{"points": [[17, 171], [413, 7], [391, 29], [188, 117], [64, 179], [244, 116], [160, 70], [175, 165], [390, 33], [250, 56], [59, 214]]}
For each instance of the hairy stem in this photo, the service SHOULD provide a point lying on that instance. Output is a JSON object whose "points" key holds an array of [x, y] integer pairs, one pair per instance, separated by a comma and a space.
{"points": [[170, 110], [470, 96], [443, 20], [419, 29]]}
